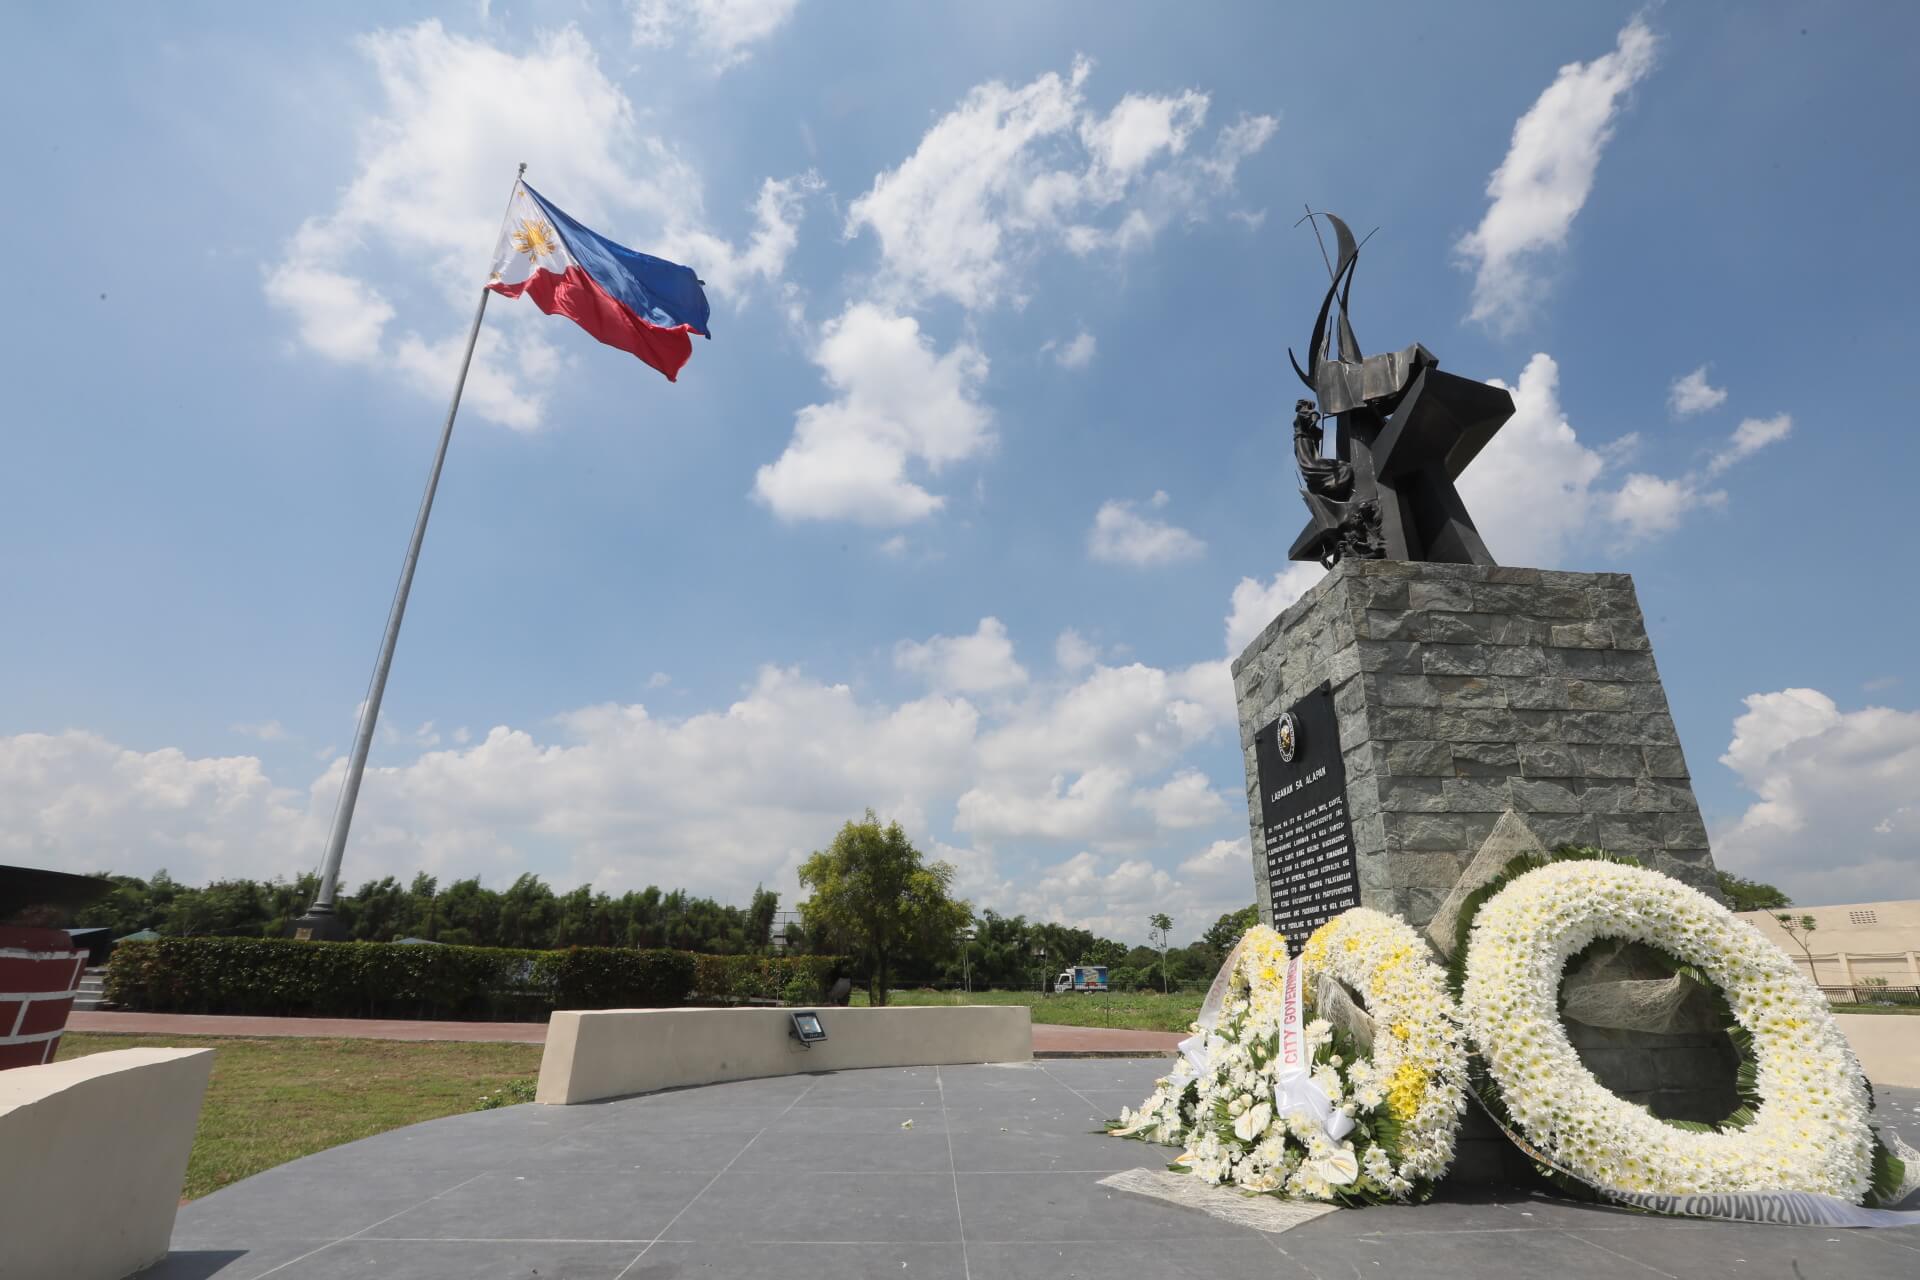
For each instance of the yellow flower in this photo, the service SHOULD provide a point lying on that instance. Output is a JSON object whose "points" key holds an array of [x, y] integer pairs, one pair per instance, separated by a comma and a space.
{"points": [[1405, 1090]]}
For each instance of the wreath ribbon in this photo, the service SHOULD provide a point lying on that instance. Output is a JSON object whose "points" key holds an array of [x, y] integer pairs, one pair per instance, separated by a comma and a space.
{"points": [[1293, 1085]]}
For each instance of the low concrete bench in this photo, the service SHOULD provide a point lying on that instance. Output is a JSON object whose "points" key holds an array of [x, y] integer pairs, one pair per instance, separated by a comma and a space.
{"points": [[93, 1152], [610, 1053]]}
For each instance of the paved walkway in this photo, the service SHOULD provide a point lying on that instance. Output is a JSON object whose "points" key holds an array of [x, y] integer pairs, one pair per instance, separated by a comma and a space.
{"points": [[1048, 1040], [949, 1173]]}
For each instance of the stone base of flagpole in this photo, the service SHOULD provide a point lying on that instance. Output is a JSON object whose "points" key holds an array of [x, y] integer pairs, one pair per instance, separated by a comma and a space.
{"points": [[320, 924]]}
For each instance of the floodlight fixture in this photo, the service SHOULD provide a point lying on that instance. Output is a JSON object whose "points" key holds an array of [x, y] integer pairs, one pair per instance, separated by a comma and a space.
{"points": [[806, 1027]]}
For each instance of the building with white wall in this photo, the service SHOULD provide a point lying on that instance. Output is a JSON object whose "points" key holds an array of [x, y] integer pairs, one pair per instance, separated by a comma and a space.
{"points": [[1853, 944]]}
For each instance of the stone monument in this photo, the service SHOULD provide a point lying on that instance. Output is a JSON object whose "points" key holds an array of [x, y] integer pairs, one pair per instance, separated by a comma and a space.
{"points": [[1393, 715]]}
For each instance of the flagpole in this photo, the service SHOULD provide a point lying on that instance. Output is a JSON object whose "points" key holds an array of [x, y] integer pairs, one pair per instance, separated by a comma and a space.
{"points": [[321, 921]]}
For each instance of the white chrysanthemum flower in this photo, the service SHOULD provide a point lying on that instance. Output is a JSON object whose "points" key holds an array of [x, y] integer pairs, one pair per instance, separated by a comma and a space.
{"points": [[1231, 1132], [1811, 1131]]}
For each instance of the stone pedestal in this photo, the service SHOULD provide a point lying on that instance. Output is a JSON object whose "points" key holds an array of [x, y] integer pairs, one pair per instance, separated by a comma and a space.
{"points": [[1462, 691]]}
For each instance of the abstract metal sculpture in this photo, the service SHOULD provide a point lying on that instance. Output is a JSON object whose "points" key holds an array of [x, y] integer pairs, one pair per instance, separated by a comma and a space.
{"points": [[1405, 433]]}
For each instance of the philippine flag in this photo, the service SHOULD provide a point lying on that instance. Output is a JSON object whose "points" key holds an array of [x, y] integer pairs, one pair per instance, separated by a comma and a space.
{"points": [[641, 304]]}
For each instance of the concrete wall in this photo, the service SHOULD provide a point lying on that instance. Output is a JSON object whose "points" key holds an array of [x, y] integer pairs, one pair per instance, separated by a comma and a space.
{"points": [[93, 1152], [614, 1052], [1853, 942]]}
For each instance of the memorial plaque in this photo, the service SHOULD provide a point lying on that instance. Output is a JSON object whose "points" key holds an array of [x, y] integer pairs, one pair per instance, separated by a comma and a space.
{"points": [[1312, 875]]}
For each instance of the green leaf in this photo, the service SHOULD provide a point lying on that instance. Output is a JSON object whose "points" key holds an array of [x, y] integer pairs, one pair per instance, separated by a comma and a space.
{"points": [[1889, 1172]]}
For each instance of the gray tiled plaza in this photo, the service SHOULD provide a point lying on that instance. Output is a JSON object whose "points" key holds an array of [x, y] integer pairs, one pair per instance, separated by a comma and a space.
{"points": [[997, 1176]]}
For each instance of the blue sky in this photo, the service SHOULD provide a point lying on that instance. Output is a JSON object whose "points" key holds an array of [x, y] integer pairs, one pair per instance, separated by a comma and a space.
{"points": [[986, 464]]}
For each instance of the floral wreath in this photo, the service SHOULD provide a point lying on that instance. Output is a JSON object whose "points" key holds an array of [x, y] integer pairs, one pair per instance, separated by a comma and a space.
{"points": [[1807, 1128], [1418, 1064], [1270, 1102]]}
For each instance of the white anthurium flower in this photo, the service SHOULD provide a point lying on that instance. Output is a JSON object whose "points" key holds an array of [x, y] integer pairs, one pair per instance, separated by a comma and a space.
{"points": [[1297, 1143], [1337, 1168]]}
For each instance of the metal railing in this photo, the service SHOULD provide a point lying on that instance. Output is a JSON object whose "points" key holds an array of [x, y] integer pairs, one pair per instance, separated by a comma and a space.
{"points": [[1871, 993]]}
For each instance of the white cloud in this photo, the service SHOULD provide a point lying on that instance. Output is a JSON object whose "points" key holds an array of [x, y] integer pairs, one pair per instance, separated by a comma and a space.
{"points": [[1134, 718], [898, 403], [1078, 766], [342, 318], [1836, 818], [1690, 394], [1077, 353], [943, 215], [1074, 652], [1221, 858], [1647, 506], [1185, 800], [424, 736], [1255, 603], [979, 663], [1547, 175], [1749, 438], [1121, 534], [1234, 145], [1113, 895], [1537, 489], [265, 730], [76, 802], [1090, 806], [1138, 131], [1010, 170], [777, 211], [659, 680], [1531, 490], [497, 387], [423, 209], [1101, 758], [722, 30]]}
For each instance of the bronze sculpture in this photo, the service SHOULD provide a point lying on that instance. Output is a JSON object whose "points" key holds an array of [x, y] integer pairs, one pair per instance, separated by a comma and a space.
{"points": [[1405, 431]]}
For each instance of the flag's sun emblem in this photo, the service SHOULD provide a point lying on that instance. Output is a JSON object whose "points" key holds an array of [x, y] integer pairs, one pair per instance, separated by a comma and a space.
{"points": [[536, 239]]}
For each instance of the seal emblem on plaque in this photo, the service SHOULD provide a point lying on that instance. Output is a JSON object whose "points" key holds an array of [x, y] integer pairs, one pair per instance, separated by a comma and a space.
{"points": [[1287, 735]]}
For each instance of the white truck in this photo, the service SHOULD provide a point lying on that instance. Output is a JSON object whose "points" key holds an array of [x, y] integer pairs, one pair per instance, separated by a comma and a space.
{"points": [[1088, 978]]}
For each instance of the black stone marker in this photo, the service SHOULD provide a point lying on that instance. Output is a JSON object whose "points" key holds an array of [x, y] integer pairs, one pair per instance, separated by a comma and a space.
{"points": [[1312, 875]]}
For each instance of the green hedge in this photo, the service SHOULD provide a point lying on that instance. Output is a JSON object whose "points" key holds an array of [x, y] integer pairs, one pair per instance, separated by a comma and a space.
{"points": [[733, 979], [388, 980]]}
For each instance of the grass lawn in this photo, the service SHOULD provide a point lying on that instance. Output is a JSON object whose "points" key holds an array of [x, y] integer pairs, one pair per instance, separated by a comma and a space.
{"points": [[271, 1101], [1135, 1011], [1908, 1009]]}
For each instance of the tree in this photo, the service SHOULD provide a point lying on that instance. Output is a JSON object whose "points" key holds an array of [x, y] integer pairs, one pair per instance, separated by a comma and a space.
{"points": [[1161, 928], [874, 897], [759, 922], [1227, 930], [1751, 895], [1796, 926]]}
